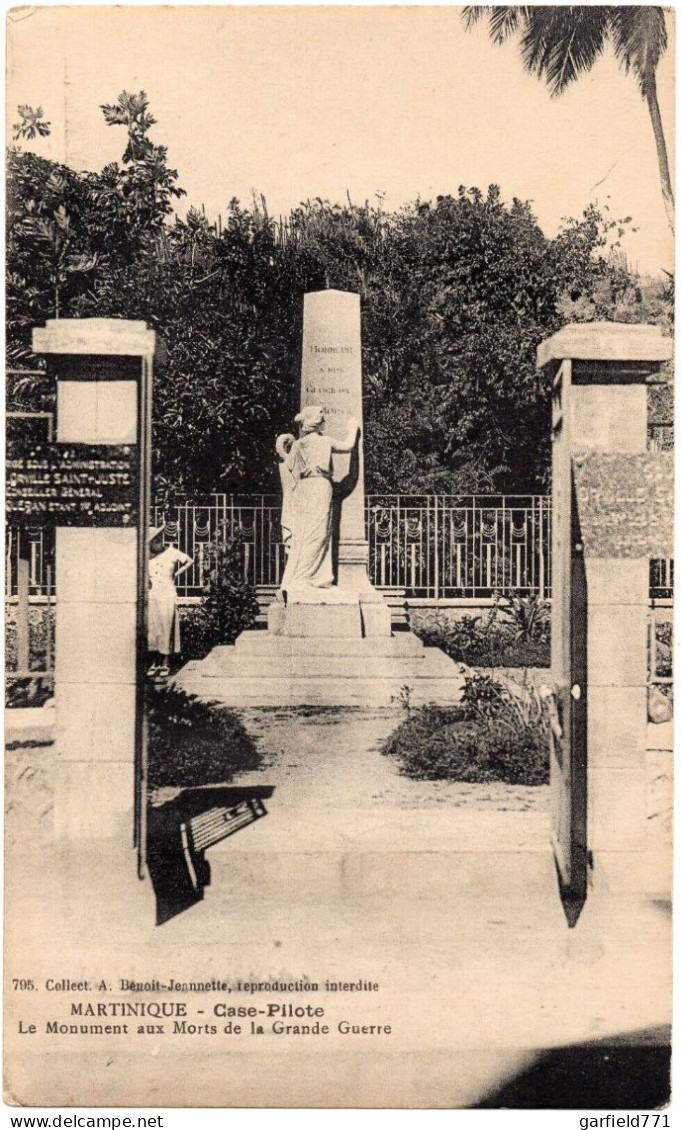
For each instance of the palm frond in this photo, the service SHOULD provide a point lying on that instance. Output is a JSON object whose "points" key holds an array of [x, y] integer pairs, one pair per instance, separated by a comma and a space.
{"points": [[561, 43], [504, 20], [473, 12], [639, 39]]}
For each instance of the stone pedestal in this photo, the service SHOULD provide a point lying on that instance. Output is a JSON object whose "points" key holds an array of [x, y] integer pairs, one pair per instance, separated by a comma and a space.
{"points": [[326, 613], [336, 613]]}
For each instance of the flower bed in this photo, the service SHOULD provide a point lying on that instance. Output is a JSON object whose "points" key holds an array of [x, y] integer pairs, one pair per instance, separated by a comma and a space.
{"points": [[499, 732], [515, 632]]}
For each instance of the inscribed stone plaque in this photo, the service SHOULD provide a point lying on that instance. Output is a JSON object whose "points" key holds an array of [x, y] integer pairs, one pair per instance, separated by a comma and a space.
{"points": [[625, 504], [72, 484]]}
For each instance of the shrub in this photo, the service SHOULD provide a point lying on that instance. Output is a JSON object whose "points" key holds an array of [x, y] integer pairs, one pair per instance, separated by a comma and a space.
{"points": [[517, 755], [483, 694], [495, 640], [663, 664], [192, 742], [524, 653], [29, 690], [229, 601], [41, 618], [529, 617], [452, 753], [197, 632], [495, 734], [467, 640], [421, 723], [228, 606]]}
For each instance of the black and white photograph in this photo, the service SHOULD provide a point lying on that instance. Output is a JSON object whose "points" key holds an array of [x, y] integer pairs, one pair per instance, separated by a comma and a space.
{"points": [[339, 558]]}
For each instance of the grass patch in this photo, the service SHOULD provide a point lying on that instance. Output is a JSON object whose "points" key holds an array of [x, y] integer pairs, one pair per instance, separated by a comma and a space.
{"points": [[193, 743], [495, 734]]}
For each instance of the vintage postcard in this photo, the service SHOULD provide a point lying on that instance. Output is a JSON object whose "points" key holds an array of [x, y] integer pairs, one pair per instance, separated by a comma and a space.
{"points": [[339, 557]]}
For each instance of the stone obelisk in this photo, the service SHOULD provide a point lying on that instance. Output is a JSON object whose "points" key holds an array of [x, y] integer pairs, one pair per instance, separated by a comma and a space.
{"points": [[331, 376]]}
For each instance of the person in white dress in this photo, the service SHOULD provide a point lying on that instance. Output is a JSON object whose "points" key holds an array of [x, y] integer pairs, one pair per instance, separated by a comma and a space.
{"points": [[309, 461], [165, 565]]}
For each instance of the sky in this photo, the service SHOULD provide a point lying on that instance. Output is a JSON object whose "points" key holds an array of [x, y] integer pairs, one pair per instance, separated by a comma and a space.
{"points": [[325, 101]]}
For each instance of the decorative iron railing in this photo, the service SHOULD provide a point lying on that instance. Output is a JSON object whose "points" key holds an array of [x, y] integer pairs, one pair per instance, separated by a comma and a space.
{"points": [[429, 546], [435, 546], [254, 519], [38, 543], [662, 578], [426, 546]]}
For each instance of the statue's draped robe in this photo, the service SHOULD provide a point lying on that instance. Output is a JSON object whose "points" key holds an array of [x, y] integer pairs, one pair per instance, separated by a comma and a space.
{"points": [[287, 485], [310, 557]]}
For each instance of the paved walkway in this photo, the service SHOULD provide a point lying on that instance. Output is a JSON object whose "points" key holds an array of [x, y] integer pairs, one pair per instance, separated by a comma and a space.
{"points": [[443, 895], [332, 758]]}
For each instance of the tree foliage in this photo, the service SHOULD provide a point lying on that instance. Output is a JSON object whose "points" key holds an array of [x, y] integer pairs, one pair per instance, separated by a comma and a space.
{"points": [[456, 294]]}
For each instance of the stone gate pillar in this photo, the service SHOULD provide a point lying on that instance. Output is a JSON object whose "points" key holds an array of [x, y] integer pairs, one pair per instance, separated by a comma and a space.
{"points": [[612, 503], [102, 370]]}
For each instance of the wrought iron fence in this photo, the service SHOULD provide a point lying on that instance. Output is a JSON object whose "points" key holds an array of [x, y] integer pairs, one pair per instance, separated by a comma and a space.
{"points": [[662, 578], [38, 543], [427, 546], [435, 546], [254, 519]]}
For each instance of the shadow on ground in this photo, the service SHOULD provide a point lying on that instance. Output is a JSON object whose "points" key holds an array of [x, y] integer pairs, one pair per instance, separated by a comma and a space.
{"points": [[628, 1072]]}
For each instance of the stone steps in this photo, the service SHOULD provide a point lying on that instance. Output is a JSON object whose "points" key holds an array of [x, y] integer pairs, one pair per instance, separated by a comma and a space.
{"points": [[265, 643], [331, 690], [268, 669], [432, 664]]}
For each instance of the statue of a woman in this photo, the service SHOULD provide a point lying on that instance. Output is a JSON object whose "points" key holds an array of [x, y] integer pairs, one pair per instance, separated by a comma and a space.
{"points": [[309, 514]]}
